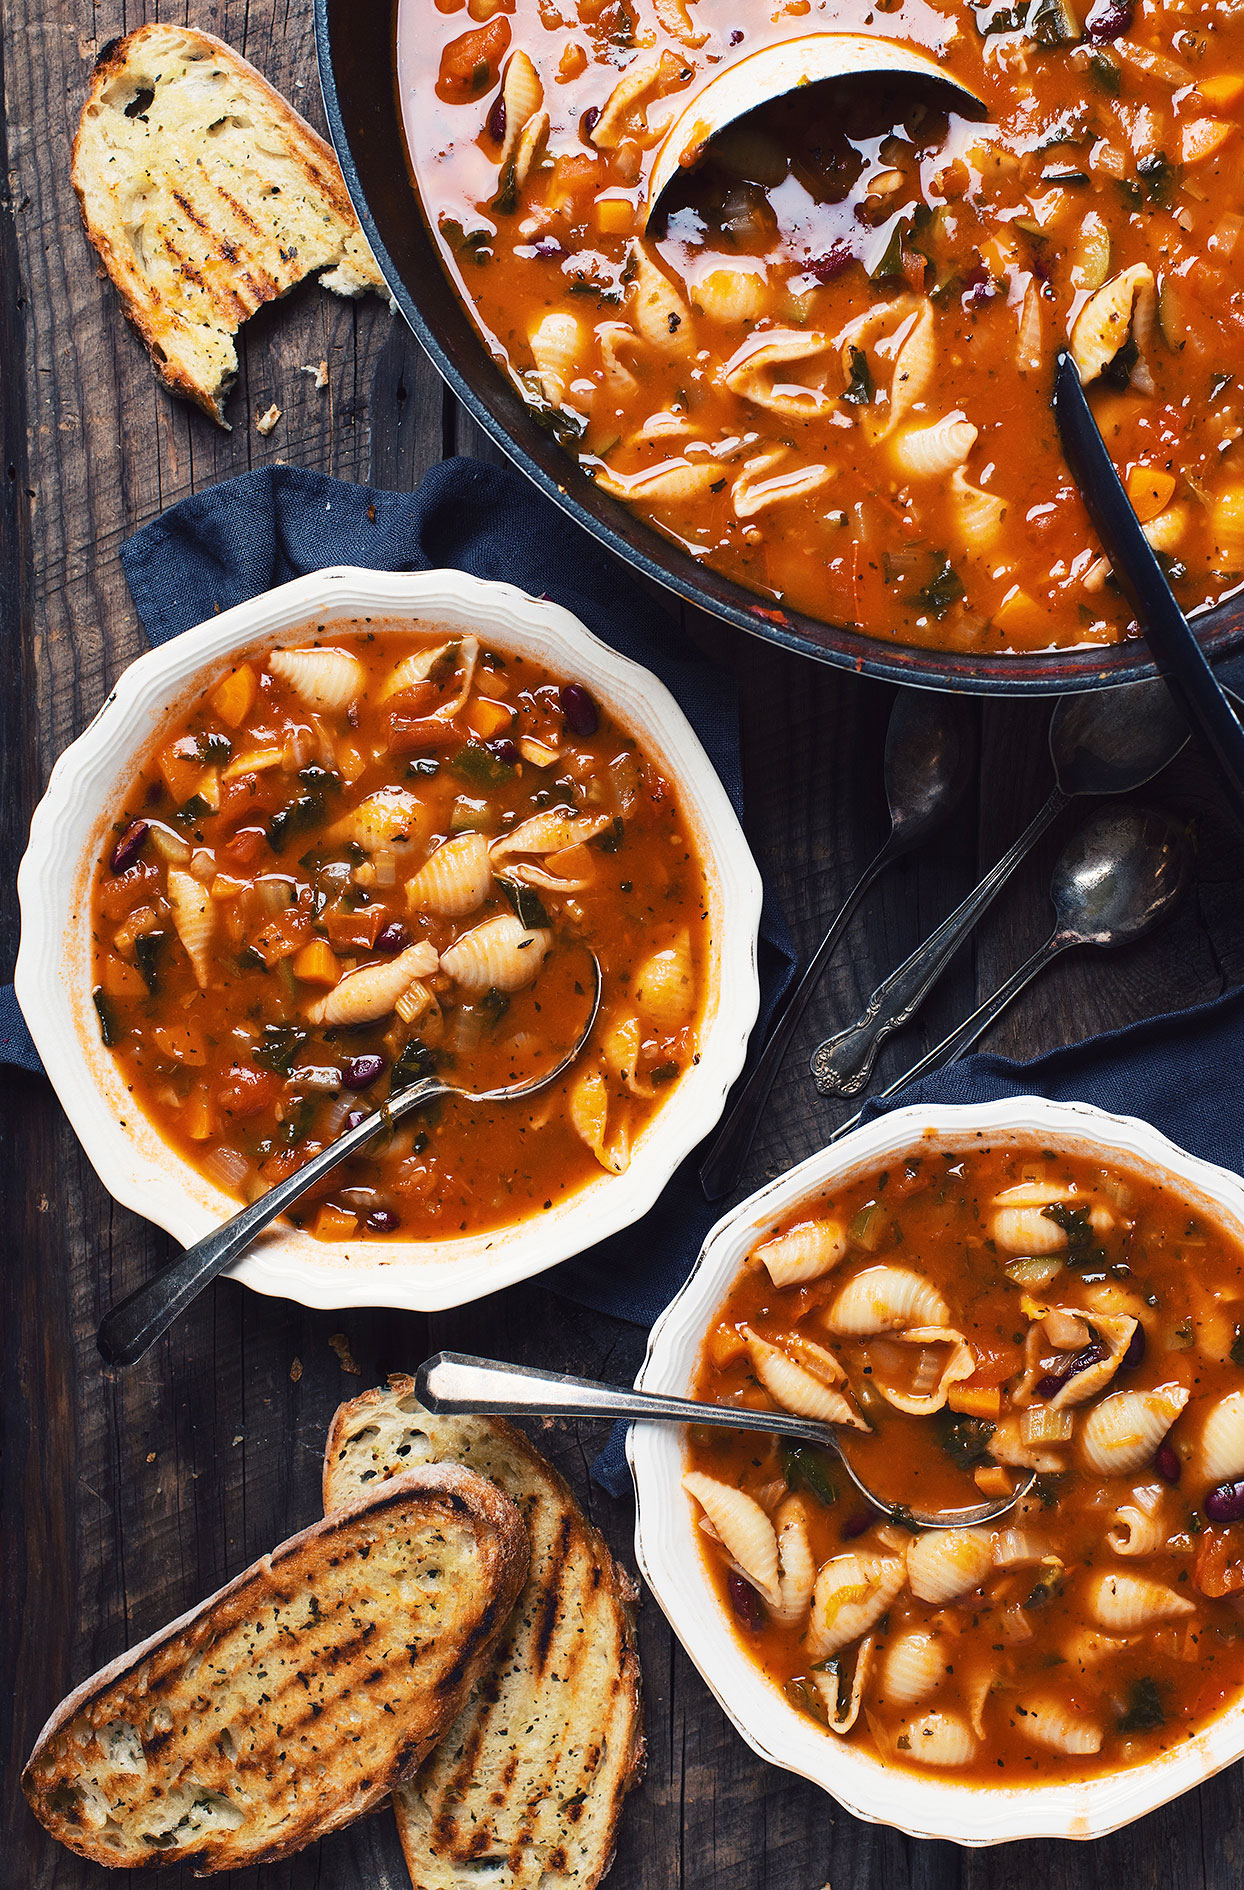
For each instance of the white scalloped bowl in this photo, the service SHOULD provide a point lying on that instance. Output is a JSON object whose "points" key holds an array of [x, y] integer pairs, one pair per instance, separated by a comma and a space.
{"points": [[666, 1535], [53, 979]]}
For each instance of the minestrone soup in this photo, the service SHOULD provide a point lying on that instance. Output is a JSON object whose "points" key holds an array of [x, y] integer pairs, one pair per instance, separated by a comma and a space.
{"points": [[380, 853], [827, 372], [964, 1318]]}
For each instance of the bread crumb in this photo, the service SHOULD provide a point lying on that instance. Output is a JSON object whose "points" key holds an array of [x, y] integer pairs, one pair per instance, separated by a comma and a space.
{"points": [[267, 421], [319, 374], [341, 1346], [295, 1371], [151, 1456]]}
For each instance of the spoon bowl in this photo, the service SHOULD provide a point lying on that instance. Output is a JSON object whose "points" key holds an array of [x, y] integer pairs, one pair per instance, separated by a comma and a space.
{"points": [[136, 1322], [762, 77], [455, 1382]]}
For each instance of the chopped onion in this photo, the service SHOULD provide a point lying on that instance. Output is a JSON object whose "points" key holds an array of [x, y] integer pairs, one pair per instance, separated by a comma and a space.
{"points": [[1041, 1425], [228, 1166]]}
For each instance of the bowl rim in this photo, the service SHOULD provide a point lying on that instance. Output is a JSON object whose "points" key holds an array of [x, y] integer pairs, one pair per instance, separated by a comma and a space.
{"points": [[461, 356], [143, 1171], [672, 1565]]}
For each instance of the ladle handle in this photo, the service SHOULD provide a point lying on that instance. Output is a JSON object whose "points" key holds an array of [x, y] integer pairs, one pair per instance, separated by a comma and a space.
{"points": [[455, 1381], [843, 1063], [719, 1172], [134, 1325]]}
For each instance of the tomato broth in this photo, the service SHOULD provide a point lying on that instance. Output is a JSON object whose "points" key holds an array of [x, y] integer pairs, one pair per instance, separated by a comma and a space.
{"points": [[379, 854], [987, 1312]]}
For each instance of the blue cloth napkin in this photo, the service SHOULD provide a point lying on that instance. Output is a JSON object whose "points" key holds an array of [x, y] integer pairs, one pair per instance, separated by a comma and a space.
{"points": [[238, 539]]}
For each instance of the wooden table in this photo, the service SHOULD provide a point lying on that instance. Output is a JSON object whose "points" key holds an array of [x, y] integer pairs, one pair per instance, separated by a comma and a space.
{"points": [[126, 1497]]}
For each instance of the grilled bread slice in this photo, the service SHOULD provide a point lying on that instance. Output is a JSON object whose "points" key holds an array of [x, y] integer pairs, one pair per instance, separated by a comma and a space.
{"points": [[296, 1698], [526, 1787], [206, 195]]}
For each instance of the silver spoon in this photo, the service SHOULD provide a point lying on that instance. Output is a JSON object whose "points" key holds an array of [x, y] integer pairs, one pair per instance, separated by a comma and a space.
{"points": [[132, 1326], [1107, 741], [453, 1381], [1120, 875], [930, 756]]}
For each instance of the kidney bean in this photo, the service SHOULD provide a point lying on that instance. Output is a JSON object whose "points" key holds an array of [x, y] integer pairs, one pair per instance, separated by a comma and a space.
{"points": [[1167, 1464], [505, 750], [1135, 1351], [548, 247], [1070, 1365], [130, 845], [856, 1525], [745, 1602], [832, 263], [1226, 1503], [361, 1072], [383, 1220], [582, 715], [393, 938], [1107, 20], [587, 124], [496, 119], [354, 1118]]}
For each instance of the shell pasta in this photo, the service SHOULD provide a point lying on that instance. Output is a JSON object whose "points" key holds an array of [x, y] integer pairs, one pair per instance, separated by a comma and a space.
{"points": [[966, 1316], [380, 853]]}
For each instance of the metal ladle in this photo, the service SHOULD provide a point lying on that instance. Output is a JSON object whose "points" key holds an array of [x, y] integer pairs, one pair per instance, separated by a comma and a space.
{"points": [[1108, 741], [455, 1382], [762, 77], [930, 754], [1120, 875], [132, 1326]]}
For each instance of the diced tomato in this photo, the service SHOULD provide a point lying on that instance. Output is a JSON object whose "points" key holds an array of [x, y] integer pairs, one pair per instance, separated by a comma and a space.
{"points": [[280, 937], [118, 897], [249, 796], [246, 1092], [471, 64], [246, 847], [1220, 1561], [359, 929]]}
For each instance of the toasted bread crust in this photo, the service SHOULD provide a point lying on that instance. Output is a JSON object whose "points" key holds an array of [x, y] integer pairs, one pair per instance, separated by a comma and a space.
{"points": [[221, 253], [533, 1773], [296, 1698]]}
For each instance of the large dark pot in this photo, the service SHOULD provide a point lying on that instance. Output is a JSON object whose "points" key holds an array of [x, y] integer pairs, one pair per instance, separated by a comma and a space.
{"points": [[356, 41]]}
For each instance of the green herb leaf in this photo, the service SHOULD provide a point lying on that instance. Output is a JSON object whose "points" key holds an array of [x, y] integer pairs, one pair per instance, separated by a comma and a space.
{"points": [[806, 1467], [611, 839], [528, 907], [859, 389], [944, 588], [278, 1047], [1144, 1711], [192, 810], [1158, 177], [481, 767], [1104, 72], [1083, 1249], [891, 263], [965, 1440], [415, 1061], [107, 1018], [1052, 23], [147, 948], [305, 812], [494, 1004]]}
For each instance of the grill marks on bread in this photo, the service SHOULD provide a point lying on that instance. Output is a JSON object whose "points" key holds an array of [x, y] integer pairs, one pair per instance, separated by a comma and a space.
{"points": [[296, 1698], [530, 1778], [206, 195]]}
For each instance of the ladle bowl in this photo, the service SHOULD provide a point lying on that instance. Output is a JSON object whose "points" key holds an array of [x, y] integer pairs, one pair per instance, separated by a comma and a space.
{"points": [[774, 72]]}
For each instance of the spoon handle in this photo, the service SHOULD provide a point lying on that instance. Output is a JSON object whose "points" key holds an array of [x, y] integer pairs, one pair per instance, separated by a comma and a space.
{"points": [[721, 1167], [454, 1381], [1175, 648], [843, 1063], [137, 1321]]}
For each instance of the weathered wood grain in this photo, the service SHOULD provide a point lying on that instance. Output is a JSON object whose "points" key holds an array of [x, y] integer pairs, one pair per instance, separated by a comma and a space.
{"points": [[126, 1497]]}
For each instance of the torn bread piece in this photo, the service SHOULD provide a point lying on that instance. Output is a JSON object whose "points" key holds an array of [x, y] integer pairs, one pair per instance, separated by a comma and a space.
{"points": [[296, 1698], [526, 1787], [207, 195]]}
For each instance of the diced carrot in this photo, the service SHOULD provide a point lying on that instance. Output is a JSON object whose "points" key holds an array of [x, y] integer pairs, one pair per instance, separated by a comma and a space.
{"points": [[316, 963], [356, 930], [224, 888], [575, 177], [234, 697], [992, 1481], [486, 718], [332, 1223], [198, 1118], [282, 936], [615, 216], [471, 64], [121, 980], [725, 1344], [572, 62], [1150, 490], [1223, 91], [254, 761], [977, 1400], [181, 765], [1202, 138], [1022, 620], [183, 1041]]}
